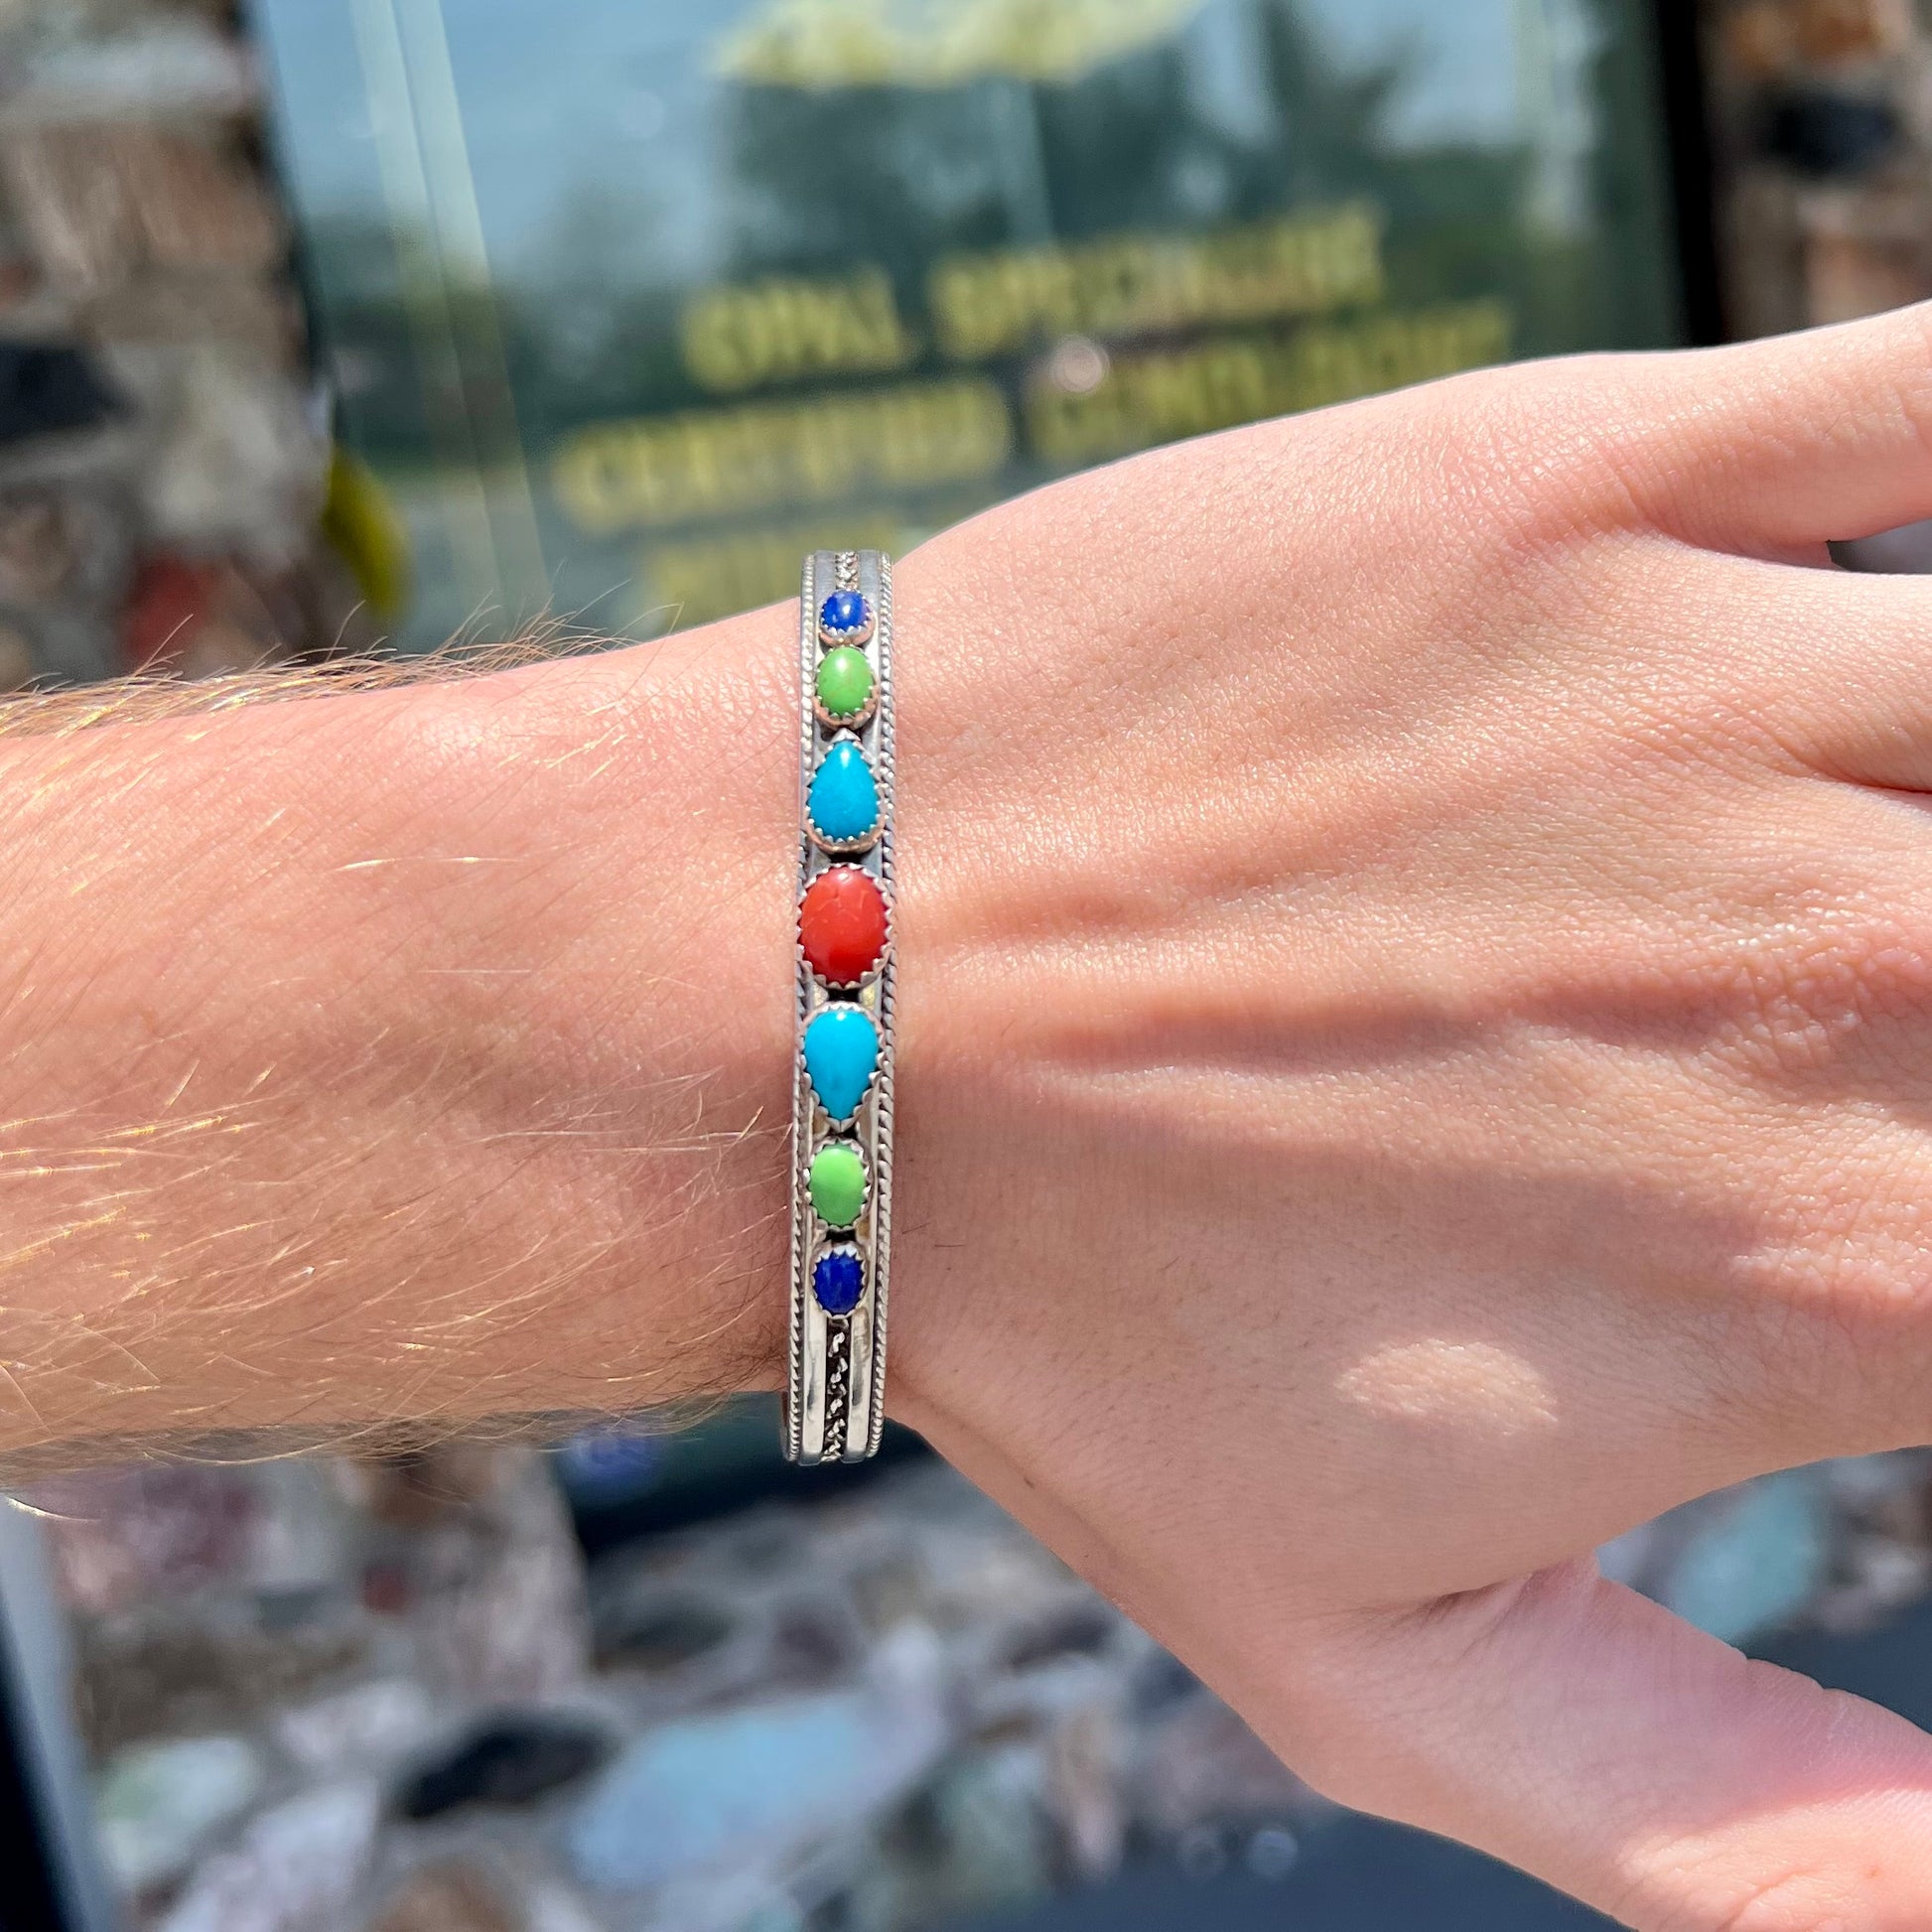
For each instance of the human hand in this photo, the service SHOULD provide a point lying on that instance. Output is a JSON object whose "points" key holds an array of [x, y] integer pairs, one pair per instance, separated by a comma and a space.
{"points": [[1415, 1056]]}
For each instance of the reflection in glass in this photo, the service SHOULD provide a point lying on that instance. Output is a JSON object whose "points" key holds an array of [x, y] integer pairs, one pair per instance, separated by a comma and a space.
{"points": [[628, 305]]}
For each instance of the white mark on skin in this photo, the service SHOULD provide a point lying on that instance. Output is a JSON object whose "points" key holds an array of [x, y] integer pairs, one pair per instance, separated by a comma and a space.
{"points": [[1471, 1387]]}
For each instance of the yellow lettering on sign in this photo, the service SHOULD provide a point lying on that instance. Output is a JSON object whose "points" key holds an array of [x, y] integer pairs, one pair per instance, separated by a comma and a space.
{"points": [[888, 44], [712, 576], [785, 329], [1140, 285], [711, 463], [1162, 395]]}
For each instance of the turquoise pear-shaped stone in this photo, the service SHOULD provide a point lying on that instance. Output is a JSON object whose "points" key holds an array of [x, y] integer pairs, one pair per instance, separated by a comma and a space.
{"points": [[841, 1056], [844, 798]]}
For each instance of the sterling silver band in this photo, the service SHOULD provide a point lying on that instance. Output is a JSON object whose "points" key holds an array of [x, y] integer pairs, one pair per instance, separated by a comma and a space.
{"points": [[835, 1389]]}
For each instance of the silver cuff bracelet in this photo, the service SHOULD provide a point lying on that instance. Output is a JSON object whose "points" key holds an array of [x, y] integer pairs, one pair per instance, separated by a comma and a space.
{"points": [[841, 1079]]}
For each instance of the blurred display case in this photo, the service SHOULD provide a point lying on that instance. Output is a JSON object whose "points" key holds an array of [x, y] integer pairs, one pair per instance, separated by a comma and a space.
{"points": [[1822, 132]]}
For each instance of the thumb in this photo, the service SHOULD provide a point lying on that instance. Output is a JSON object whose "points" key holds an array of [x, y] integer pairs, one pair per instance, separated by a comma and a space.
{"points": [[1572, 1726]]}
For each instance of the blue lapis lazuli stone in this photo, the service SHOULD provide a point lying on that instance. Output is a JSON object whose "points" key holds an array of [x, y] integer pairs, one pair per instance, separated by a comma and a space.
{"points": [[843, 613], [841, 1056], [839, 1279], [844, 798]]}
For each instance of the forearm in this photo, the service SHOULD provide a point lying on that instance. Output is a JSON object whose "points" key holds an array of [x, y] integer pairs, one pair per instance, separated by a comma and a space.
{"points": [[412, 1054]]}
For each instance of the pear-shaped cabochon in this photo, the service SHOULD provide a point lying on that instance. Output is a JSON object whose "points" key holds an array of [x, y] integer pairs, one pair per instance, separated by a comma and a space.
{"points": [[841, 1056], [844, 798]]}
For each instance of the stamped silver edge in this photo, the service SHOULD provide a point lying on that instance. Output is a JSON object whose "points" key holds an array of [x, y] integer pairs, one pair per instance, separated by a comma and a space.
{"points": [[847, 989], [881, 1165]]}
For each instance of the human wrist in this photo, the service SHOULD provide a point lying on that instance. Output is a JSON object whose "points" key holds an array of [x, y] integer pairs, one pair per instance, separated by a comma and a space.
{"points": [[643, 932], [666, 771]]}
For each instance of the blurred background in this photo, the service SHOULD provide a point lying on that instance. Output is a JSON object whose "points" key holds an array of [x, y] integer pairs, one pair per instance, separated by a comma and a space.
{"points": [[342, 326]]}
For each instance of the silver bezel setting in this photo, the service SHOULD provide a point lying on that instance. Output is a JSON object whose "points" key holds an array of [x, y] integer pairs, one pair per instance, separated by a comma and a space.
{"points": [[862, 633], [843, 848], [825, 1124], [841, 1245], [858, 841], [836, 1368], [865, 1200], [858, 720], [873, 971]]}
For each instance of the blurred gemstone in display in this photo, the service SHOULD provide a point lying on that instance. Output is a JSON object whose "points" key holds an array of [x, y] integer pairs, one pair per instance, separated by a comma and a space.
{"points": [[839, 1279], [1825, 133], [509, 1761]]}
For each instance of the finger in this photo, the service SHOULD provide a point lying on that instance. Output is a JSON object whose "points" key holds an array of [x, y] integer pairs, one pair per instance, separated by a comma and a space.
{"points": [[1767, 447], [1829, 667], [1570, 1727], [1853, 690]]}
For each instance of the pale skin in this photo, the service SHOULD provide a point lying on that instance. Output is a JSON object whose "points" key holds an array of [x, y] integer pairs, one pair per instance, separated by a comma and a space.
{"points": [[1415, 956]]}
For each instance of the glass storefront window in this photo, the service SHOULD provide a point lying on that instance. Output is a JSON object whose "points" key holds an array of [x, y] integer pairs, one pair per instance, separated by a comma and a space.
{"points": [[625, 306]]}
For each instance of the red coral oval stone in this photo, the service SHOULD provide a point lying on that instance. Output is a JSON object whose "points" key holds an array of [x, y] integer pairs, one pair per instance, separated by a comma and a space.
{"points": [[842, 925]]}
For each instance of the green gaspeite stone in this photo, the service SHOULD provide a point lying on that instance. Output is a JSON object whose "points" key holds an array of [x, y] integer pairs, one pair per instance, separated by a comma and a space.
{"points": [[838, 1183], [844, 682]]}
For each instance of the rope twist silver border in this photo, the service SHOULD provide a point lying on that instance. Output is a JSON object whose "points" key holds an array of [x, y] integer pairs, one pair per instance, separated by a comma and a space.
{"points": [[834, 1381]]}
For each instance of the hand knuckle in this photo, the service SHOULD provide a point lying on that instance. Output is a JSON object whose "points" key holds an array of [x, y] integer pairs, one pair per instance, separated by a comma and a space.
{"points": [[1835, 983]]}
